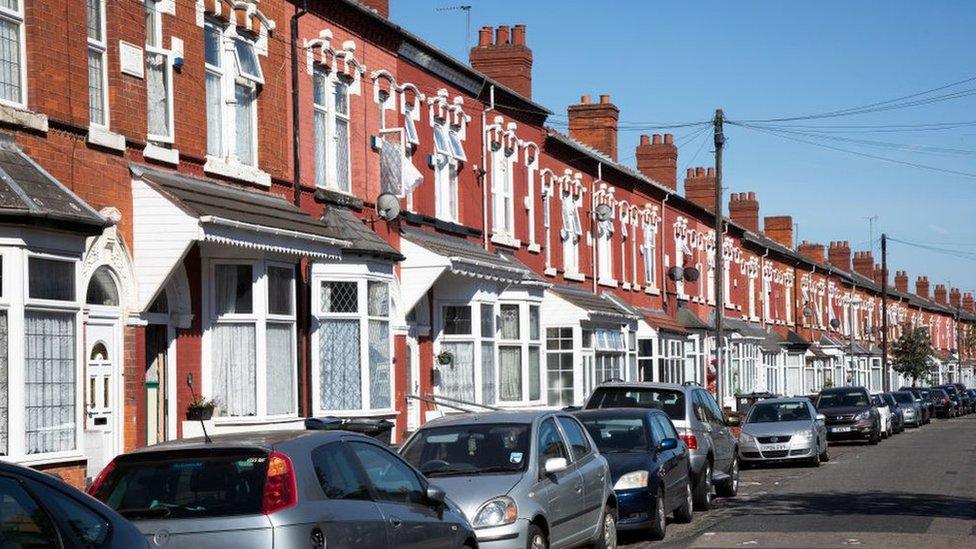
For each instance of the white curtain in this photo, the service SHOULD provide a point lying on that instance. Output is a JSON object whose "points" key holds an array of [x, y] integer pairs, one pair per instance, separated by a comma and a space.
{"points": [[457, 378], [244, 94], [379, 364], [321, 121], [509, 322], [234, 369], [50, 370], [488, 372], [233, 288], [214, 115], [342, 153], [340, 385], [535, 376], [280, 374], [157, 91], [510, 372]]}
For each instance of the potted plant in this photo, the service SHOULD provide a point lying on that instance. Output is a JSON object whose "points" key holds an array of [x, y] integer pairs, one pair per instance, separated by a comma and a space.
{"points": [[445, 358], [200, 408]]}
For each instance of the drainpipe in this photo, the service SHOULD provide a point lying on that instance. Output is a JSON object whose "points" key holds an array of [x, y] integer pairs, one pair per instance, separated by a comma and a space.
{"points": [[302, 272], [295, 114], [663, 289], [593, 236], [484, 163], [762, 267]]}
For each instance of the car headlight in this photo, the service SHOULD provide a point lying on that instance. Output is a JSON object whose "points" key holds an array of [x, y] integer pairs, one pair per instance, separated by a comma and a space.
{"points": [[747, 439], [633, 479], [862, 416], [496, 512], [805, 436]]}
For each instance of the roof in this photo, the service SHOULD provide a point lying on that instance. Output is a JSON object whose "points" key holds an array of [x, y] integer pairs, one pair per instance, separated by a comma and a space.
{"points": [[662, 321], [30, 195], [363, 239], [586, 150], [595, 303], [773, 343], [467, 252], [794, 339], [634, 412], [251, 439], [691, 321], [500, 416]]}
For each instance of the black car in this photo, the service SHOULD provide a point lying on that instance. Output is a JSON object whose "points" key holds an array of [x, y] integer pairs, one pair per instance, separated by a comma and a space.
{"points": [[850, 414], [968, 404], [897, 416], [927, 399], [39, 510], [944, 406], [955, 397]]}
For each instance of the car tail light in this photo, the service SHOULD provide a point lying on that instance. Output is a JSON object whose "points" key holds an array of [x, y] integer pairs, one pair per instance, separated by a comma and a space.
{"points": [[690, 441], [280, 490], [100, 479]]}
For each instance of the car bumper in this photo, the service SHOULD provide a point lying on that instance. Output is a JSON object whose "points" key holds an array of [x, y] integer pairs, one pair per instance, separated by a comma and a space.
{"points": [[634, 509], [510, 536], [855, 430], [759, 454]]}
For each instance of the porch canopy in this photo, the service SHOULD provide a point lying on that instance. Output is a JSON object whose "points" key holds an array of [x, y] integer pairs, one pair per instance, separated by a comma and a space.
{"points": [[171, 212], [595, 306], [662, 321]]}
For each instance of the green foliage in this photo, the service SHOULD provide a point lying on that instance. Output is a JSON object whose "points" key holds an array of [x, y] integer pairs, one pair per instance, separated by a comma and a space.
{"points": [[911, 354]]}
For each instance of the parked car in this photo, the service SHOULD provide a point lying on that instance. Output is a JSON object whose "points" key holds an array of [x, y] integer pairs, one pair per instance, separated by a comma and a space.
{"points": [[968, 404], [972, 397], [849, 414], [884, 411], [39, 510], [956, 398], [700, 424], [926, 395], [649, 466], [281, 489], [897, 417], [912, 408], [524, 479], [945, 407], [784, 429], [921, 404]]}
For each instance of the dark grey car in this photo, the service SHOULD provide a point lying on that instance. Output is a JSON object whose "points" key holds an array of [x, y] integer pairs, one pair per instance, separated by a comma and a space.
{"points": [[38, 510], [280, 489]]}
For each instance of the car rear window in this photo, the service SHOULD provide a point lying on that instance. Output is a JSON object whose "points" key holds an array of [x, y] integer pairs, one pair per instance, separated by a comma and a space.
{"points": [[839, 398], [186, 485], [904, 398], [670, 401]]}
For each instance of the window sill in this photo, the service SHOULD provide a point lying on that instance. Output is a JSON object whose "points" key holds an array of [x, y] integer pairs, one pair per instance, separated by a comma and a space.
{"points": [[24, 118], [161, 154], [625, 285], [233, 169], [105, 138], [49, 459], [534, 248], [503, 239], [578, 277], [609, 283], [650, 290], [550, 271]]}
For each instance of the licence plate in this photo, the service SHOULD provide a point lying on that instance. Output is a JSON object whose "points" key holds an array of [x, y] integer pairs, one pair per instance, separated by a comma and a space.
{"points": [[775, 447], [840, 429]]}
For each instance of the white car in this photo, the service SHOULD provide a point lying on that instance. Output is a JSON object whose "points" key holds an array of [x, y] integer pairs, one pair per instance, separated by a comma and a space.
{"points": [[885, 412]]}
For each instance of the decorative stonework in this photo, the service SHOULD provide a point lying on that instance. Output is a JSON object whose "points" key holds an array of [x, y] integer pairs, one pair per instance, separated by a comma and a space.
{"points": [[108, 249]]}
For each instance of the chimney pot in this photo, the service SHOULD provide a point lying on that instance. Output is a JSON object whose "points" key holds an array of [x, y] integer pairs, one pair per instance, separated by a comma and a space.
{"points": [[690, 172], [484, 36], [585, 99], [711, 172], [668, 138], [657, 158], [507, 60], [605, 99], [645, 139], [744, 210], [699, 172], [501, 35], [657, 139], [518, 35]]}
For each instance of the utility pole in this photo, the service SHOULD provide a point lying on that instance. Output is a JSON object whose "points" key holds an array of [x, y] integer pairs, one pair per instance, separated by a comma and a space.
{"points": [[719, 263], [886, 376]]}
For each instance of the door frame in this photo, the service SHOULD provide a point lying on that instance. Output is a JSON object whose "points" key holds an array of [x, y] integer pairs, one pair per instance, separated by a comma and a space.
{"points": [[111, 317], [158, 319], [413, 374]]}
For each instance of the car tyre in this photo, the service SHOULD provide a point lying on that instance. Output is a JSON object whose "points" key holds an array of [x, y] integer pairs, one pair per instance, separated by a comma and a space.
{"points": [[825, 455], [608, 531], [729, 487], [703, 488], [536, 538], [814, 461], [875, 437], [684, 513], [659, 524]]}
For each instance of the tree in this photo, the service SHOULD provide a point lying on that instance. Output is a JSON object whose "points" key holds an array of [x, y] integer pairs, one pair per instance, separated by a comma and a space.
{"points": [[911, 354]]}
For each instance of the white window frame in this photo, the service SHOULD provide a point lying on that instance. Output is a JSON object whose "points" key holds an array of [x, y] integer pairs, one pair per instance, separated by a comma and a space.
{"points": [[17, 18], [572, 233], [218, 71], [446, 169], [503, 191], [327, 177], [154, 46], [231, 76], [604, 252], [99, 47], [649, 249]]}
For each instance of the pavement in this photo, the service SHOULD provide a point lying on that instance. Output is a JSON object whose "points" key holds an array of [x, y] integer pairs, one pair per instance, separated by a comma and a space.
{"points": [[914, 490]]}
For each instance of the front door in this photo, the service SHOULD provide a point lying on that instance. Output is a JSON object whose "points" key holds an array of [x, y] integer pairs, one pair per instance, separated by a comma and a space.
{"points": [[157, 342], [101, 403], [413, 384]]}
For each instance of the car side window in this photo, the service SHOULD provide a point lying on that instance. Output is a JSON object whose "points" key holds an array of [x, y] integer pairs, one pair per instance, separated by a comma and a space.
{"points": [[699, 407], [338, 474], [87, 525], [712, 406], [22, 522], [667, 427], [550, 443], [657, 431], [708, 414], [577, 440], [391, 478]]}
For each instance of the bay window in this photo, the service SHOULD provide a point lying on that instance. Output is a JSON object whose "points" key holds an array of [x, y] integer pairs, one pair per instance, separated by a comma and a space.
{"points": [[354, 345], [488, 386], [458, 342], [609, 356], [671, 361], [330, 98], [159, 77], [97, 67], [12, 64]]}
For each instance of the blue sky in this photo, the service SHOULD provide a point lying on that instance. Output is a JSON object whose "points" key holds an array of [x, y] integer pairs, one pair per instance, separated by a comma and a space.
{"points": [[666, 62]]}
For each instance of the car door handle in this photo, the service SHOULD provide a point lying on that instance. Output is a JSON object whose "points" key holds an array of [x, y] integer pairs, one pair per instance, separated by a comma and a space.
{"points": [[579, 488], [396, 522]]}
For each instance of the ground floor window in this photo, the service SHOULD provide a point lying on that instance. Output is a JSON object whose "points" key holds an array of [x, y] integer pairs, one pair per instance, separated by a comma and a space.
{"points": [[50, 377], [671, 363], [744, 365], [645, 360], [559, 366]]}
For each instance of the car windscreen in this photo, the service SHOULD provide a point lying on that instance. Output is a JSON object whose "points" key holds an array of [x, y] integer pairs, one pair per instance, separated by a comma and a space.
{"points": [[199, 484], [950, 389], [617, 434], [670, 401], [773, 412], [469, 449], [904, 398], [889, 399], [837, 399], [939, 394]]}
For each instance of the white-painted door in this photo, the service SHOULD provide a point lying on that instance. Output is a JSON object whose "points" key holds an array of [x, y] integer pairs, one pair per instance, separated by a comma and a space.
{"points": [[413, 384], [102, 406]]}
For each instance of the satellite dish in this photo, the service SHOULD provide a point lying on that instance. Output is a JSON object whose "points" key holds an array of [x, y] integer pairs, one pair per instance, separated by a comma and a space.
{"points": [[691, 274], [676, 273], [387, 206], [834, 323], [603, 212]]}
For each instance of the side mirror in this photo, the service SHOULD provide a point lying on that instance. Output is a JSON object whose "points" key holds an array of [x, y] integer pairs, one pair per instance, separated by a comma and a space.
{"points": [[821, 418], [555, 465], [435, 496], [667, 444]]}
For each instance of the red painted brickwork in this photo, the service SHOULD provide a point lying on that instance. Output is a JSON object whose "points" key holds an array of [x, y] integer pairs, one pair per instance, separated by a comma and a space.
{"points": [[744, 210], [657, 158], [812, 251], [901, 284], [700, 187]]}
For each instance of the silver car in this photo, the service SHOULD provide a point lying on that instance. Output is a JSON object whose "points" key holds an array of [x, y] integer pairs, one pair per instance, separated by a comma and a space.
{"points": [[523, 479], [784, 429], [280, 489]]}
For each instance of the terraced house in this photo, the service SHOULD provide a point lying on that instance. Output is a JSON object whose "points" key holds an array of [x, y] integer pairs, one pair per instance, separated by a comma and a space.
{"points": [[301, 209]]}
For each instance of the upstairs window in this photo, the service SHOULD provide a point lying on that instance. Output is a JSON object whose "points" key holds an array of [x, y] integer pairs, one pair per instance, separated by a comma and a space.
{"points": [[233, 82], [648, 248], [502, 190], [12, 53], [331, 106], [97, 70], [159, 77], [571, 232], [446, 162]]}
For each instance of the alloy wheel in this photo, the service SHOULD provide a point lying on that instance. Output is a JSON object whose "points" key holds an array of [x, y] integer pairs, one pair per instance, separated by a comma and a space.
{"points": [[709, 487], [538, 542], [661, 517], [609, 531]]}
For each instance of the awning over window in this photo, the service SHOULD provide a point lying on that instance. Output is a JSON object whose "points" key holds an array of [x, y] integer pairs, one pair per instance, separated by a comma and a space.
{"points": [[597, 306], [172, 211], [661, 321], [31, 196]]}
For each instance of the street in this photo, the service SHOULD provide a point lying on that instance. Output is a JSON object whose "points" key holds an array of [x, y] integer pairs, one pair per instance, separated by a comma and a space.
{"points": [[913, 490]]}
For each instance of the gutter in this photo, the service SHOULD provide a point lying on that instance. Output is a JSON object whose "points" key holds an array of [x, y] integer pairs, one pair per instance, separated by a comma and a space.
{"points": [[296, 157]]}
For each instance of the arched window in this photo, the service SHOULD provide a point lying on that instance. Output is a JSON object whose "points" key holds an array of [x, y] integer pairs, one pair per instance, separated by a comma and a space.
{"points": [[99, 352], [102, 289]]}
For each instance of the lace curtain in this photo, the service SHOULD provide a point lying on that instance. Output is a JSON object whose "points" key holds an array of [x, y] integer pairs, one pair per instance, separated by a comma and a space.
{"points": [[340, 386], [3, 383], [157, 92], [457, 378], [234, 369], [488, 373], [280, 372], [379, 364], [244, 94], [214, 116], [510, 373], [50, 370]]}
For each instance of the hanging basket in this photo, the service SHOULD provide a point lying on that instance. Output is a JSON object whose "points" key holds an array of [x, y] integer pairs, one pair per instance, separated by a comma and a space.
{"points": [[445, 358], [198, 413]]}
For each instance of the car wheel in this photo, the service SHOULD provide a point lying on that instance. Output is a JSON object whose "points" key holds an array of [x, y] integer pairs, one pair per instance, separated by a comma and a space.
{"points": [[684, 513], [875, 437], [815, 461], [537, 538], [703, 488], [825, 455], [730, 487], [659, 524], [608, 531]]}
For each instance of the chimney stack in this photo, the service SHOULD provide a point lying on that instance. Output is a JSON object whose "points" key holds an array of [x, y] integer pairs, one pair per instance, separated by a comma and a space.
{"points": [[779, 228], [700, 187], [381, 7], [968, 303], [901, 281], [839, 255], [922, 287], [506, 59], [864, 264], [595, 124], [812, 251], [955, 298], [880, 277], [657, 158], [744, 210], [940, 294]]}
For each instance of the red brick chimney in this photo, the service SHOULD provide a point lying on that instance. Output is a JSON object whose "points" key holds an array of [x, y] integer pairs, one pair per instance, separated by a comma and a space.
{"points": [[940, 294], [381, 7], [779, 228], [955, 298], [864, 264], [839, 255], [657, 158], [879, 277], [700, 187], [901, 281], [812, 251], [922, 287], [968, 303], [744, 210], [595, 124], [506, 59]]}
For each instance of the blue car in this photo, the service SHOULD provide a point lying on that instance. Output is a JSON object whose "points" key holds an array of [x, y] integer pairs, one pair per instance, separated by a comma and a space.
{"points": [[649, 466]]}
